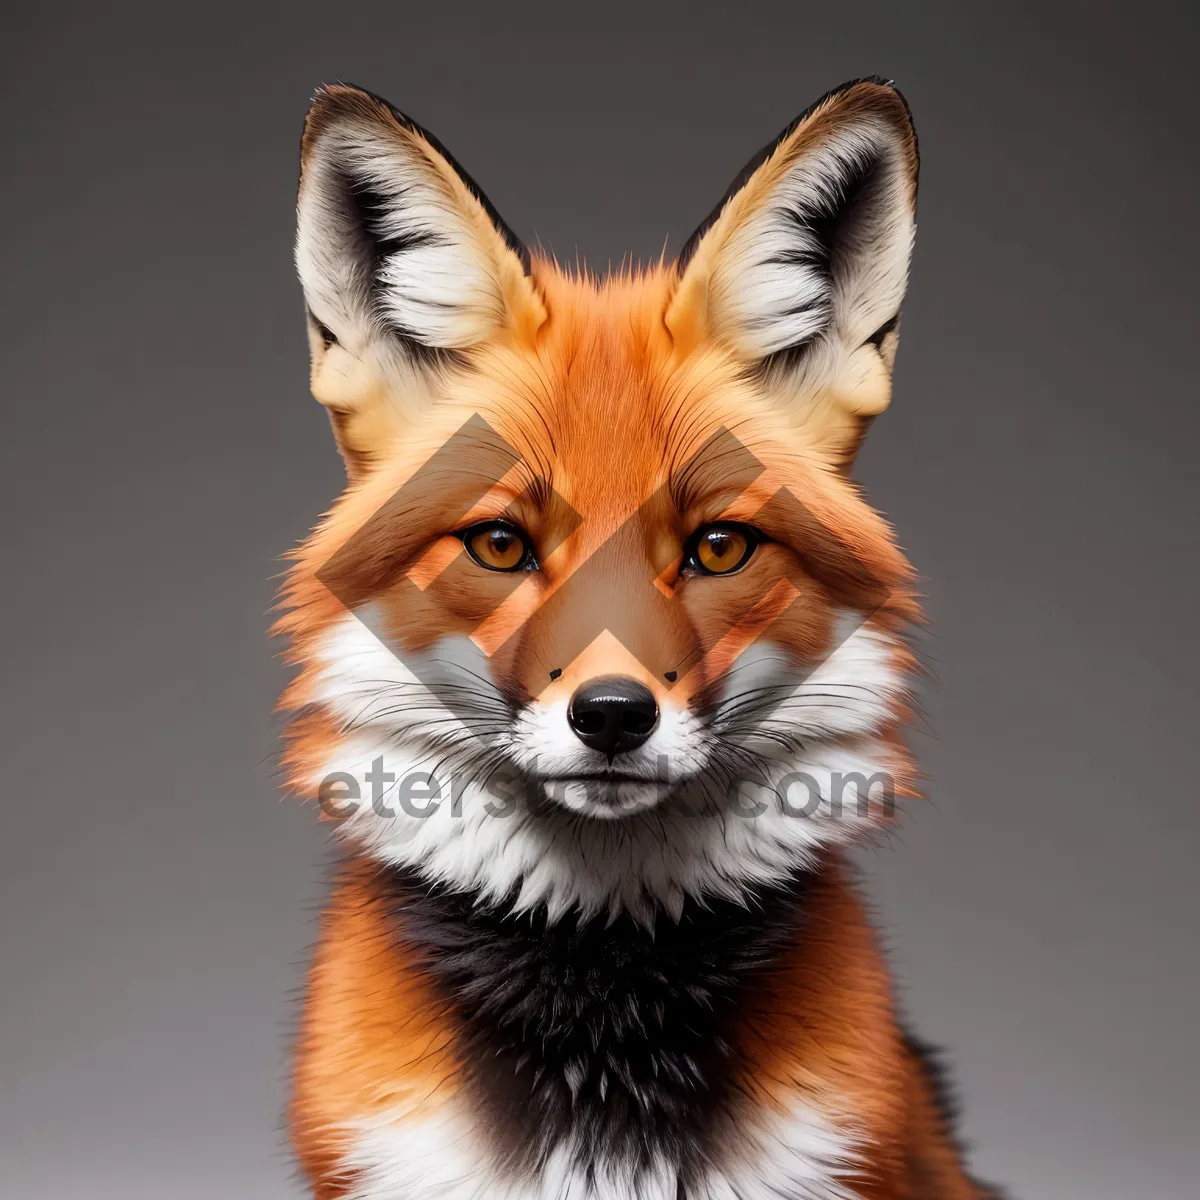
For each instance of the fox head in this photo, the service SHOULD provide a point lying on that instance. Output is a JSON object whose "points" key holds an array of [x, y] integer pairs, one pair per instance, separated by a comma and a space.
{"points": [[601, 620]]}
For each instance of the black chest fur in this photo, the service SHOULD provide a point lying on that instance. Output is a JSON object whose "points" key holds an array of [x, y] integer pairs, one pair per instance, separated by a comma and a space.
{"points": [[611, 1036]]}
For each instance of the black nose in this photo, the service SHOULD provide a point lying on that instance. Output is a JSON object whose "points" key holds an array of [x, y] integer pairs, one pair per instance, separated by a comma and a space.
{"points": [[613, 714]]}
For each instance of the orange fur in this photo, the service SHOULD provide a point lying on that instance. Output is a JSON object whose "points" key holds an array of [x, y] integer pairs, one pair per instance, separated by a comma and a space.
{"points": [[825, 1027], [605, 408], [612, 407], [373, 1039], [604, 390]]}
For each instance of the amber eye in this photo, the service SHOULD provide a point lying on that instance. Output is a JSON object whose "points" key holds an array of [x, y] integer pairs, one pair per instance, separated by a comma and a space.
{"points": [[721, 549], [498, 546]]}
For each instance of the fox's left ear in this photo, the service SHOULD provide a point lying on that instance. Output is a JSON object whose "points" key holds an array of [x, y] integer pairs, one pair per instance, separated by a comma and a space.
{"points": [[405, 264], [801, 268]]}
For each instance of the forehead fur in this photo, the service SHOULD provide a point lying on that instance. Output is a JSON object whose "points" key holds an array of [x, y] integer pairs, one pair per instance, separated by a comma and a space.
{"points": [[604, 402]]}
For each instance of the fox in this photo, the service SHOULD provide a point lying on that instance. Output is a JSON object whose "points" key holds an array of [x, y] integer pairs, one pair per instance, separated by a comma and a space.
{"points": [[603, 667]]}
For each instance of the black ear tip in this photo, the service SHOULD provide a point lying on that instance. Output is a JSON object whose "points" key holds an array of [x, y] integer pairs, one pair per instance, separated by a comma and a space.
{"points": [[334, 101], [884, 81], [889, 100], [336, 93], [337, 101], [871, 81], [879, 80], [338, 98]]}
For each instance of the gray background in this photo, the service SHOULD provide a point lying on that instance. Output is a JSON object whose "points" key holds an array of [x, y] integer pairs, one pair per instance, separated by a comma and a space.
{"points": [[160, 451]]}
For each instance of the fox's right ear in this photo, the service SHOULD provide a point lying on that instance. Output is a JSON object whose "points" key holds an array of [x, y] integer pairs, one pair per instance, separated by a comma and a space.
{"points": [[801, 269], [405, 266]]}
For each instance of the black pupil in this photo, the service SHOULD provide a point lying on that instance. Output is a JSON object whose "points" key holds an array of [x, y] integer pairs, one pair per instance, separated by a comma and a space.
{"points": [[502, 542], [720, 543]]}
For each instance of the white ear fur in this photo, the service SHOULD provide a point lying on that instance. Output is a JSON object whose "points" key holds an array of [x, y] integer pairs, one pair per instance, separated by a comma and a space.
{"points": [[402, 260], [390, 234], [805, 262], [778, 282]]}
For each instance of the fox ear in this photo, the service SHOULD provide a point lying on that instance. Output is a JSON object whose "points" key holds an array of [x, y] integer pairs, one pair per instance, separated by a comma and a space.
{"points": [[405, 266], [801, 268]]}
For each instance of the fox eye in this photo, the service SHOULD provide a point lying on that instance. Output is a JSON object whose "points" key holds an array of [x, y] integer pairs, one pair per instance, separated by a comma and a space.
{"points": [[721, 549], [498, 546]]}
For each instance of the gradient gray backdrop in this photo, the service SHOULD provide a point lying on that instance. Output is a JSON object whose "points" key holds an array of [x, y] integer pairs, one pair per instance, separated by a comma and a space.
{"points": [[160, 451]]}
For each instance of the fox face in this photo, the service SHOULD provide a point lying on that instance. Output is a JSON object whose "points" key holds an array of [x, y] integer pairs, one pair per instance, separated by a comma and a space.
{"points": [[601, 621]]}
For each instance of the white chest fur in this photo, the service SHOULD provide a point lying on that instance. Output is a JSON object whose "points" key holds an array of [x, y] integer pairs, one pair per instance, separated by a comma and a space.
{"points": [[798, 1154]]}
